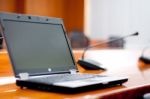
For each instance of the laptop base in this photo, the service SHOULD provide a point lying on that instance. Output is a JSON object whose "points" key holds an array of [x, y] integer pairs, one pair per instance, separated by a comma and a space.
{"points": [[51, 88]]}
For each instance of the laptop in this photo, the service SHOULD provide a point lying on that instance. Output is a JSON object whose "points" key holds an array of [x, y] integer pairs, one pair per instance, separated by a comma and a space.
{"points": [[42, 58]]}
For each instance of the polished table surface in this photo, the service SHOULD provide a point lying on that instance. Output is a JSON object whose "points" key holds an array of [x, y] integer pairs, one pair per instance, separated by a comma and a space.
{"points": [[118, 63]]}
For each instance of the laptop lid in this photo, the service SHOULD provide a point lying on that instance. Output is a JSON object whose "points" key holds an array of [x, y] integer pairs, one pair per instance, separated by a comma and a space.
{"points": [[36, 45]]}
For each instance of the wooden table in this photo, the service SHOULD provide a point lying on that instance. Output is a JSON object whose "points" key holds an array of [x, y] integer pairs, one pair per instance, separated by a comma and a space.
{"points": [[117, 62]]}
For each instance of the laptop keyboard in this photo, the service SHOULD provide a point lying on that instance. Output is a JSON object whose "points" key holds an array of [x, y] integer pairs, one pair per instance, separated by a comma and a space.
{"points": [[61, 78]]}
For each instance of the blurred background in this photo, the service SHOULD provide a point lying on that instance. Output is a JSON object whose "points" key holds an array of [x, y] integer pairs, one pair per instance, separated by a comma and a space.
{"points": [[90, 21]]}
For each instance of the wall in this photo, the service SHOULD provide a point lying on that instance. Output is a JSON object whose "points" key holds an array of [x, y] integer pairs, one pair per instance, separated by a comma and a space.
{"points": [[70, 10], [74, 14], [8, 5], [118, 17]]}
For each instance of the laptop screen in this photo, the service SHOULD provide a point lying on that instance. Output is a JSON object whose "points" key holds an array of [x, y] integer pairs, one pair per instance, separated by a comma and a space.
{"points": [[38, 48]]}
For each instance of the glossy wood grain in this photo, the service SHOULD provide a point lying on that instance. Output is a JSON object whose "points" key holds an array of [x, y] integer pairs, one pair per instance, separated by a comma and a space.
{"points": [[117, 62]]}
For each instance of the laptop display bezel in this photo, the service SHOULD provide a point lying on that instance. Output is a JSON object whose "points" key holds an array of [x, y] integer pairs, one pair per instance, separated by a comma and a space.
{"points": [[37, 19]]}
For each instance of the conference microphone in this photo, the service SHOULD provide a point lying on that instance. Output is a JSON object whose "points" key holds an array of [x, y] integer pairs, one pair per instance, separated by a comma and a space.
{"points": [[145, 55], [94, 65]]}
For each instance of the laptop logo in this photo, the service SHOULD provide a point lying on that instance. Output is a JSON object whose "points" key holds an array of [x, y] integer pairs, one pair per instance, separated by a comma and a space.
{"points": [[49, 69]]}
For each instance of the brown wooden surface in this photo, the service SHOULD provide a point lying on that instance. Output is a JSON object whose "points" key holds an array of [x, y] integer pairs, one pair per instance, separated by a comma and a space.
{"points": [[117, 62]]}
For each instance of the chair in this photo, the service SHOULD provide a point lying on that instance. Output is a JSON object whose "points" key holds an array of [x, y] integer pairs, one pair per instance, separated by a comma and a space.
{"points": [[78, 39], [1, 41]]}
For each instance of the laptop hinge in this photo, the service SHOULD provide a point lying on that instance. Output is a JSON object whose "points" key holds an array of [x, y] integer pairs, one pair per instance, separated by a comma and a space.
{"points": [[73, 71], [24, 76]]}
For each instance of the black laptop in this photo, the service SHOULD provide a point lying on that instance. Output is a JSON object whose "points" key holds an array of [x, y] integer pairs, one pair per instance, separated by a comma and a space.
{"points": [[42, 58]]}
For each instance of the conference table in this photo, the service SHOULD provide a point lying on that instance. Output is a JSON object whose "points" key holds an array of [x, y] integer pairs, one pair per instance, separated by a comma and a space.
{"points": [[118, 62]]}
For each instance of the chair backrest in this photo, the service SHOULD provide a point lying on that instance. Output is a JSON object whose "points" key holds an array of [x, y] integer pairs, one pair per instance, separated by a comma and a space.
{"points": [[78, 39], [116, 44], [1, 41]]}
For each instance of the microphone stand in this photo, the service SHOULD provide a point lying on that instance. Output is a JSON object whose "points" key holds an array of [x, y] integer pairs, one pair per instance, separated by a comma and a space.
{"points": [[84, 64], [105, 42]]}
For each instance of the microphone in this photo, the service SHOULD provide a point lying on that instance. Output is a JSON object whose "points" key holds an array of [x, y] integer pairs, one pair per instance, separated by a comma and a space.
{"points": [[93, 65], [144, 58]]}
